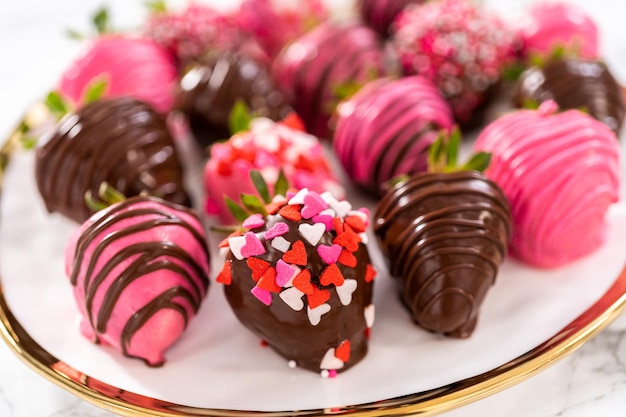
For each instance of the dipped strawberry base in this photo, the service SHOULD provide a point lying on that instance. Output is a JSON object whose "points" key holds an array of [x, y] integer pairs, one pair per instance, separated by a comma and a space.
{"points": [[301, 279]]}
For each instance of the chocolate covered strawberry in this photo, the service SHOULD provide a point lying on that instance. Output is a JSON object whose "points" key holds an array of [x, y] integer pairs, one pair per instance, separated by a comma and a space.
{"points": [[121, 141], [380, 14], [574, 83], [299, 276], [140, 270], [445, 234]]}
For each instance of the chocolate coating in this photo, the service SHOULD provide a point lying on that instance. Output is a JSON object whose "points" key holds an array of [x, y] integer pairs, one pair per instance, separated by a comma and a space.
{"points": [[380, 14], [209, 90], [290, 332], [446, 235], [122, 141], [575, 84]]}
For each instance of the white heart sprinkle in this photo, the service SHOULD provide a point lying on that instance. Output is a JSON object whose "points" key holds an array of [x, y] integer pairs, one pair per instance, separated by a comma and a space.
{"points": [[312, 232], [345, 291], [281, 244], [293, 298], [327, 196], [224, 252], [315, 314], [369, 314], [296, 271], [364, 238], [330, 361], [328, 212], [236, 243], [299, 197]]}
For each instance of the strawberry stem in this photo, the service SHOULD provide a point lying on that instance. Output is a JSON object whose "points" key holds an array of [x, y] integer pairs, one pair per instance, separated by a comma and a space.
{"points": [[444, 151]]}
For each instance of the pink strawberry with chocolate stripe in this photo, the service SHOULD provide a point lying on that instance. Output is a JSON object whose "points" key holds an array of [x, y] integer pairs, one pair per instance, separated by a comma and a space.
{"points": [[299, 276], [140, 270]]}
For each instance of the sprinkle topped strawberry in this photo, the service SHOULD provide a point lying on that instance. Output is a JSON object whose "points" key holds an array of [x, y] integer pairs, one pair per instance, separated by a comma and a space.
{"points": [[445, 234], [298, 275]]}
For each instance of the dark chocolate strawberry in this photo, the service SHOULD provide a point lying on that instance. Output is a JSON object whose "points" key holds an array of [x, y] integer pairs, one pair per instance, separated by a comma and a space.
{"points": [[121, 141], [574, 83], [299, 276], [445, 234]]}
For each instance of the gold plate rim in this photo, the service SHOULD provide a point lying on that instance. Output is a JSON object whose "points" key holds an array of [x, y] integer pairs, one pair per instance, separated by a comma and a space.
{"points": [[427, 403]]}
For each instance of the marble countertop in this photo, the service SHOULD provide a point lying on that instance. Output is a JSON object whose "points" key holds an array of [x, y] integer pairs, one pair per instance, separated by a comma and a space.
{"points": [[33, 50]]}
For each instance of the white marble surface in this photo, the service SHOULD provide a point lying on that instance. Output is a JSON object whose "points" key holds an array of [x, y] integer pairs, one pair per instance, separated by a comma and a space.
{"points": [[33, 51]]}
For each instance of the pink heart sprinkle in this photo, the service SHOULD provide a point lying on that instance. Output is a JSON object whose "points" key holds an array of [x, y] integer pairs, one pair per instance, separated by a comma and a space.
{"points": [[278, 229], [284, 272], [329, 254], [325, 219], [254, 221], [263, 295], [313, 205], [253, 246]]}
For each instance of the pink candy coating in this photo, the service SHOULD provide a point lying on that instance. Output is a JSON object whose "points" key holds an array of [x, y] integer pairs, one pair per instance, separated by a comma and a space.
{"points": [[558, 24], [135, 67], [267, 147], [560, 173], [105, 248]]}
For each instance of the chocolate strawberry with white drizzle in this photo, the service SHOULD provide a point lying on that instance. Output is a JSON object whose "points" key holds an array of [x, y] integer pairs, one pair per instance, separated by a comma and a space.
{"points": [[139, 270], [445, 234], [298, 275]]}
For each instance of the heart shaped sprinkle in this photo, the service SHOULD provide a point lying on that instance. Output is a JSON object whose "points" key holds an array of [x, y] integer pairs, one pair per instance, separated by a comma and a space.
{"points": [[329, 253], [226, 275], [275, 205], [370, 273], [278, 229], [302, 281], [285, 273], [338, 225], [281, 244], [369, 314], [348, 239], [356, 223], [312, 232], [297, 254], [345, 291], [293, 298], [258, 267], [331, 361], [324, 219], [224, 242], [315, 314], [298, 198], [253, 246], [341, 207], [268, 281], [364, 238], [317, 298], [262, 295], [331, 275], [342, 352], [313, 205], [291, 213], [254, 221], [236, 243], [347, 258]]}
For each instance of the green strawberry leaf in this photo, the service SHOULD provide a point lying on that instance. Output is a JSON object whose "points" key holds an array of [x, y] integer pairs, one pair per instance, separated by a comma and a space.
{"points": [[478, 162], [57, 105], [282, 185], [101, 21], [95, 90], [237, 211], [239, 118], [156, 6], [444, 151], [253, 204], [260, 185], [452, 148]]}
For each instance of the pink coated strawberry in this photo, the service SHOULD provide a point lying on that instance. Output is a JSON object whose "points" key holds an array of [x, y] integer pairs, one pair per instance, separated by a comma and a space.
{"points": [[129, 66], [140, 271], [560, 172]]}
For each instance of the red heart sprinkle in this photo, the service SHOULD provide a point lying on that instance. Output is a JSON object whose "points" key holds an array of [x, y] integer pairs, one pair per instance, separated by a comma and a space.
{"points": [[347, 258], [291, 212], [296, 255], [226, 275], [275, 206], [331, 275], [356, 223], [349, 240], [338, 225], [318, 298], [343, 351], [302, 281], [370, 273], [268, 281], [258, 267]]}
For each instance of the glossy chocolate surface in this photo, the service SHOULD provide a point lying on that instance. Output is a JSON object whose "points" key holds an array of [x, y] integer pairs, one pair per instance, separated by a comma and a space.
{"points": [[575, 84], [445, 236], [121, 141]]}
